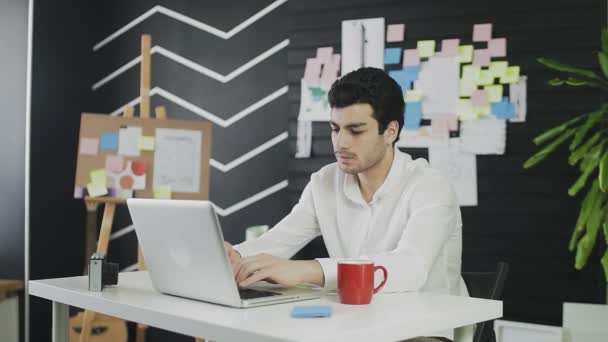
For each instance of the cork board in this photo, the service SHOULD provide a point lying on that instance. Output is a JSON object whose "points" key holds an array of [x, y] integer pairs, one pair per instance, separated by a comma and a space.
{"points": [[95, 150]]}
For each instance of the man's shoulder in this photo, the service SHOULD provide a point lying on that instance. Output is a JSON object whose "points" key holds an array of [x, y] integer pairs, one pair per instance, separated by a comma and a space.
{"points": [[326, 175]]}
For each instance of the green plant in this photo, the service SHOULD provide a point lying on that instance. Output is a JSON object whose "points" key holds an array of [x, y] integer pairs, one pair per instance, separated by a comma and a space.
{"points": [[588, 136]]}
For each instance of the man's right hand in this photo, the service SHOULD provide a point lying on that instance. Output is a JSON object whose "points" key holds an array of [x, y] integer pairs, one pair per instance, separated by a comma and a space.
{"points": [[233, 256]]}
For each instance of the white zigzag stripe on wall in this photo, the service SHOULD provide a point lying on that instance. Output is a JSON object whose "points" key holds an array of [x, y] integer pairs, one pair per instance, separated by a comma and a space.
{"points": [[190, 21], [194, 66], [203, 113], [245, 157]]}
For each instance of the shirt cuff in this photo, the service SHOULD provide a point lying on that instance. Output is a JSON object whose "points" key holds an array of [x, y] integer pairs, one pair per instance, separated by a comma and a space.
{"points": [[243, 250], [330, 272]]}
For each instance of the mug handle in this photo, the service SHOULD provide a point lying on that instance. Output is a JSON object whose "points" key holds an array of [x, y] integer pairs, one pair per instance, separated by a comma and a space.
{"points": [[379, 287]]}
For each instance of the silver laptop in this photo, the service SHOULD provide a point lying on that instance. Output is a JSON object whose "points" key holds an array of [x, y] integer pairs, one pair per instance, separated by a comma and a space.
{"points": [[183, 247]]}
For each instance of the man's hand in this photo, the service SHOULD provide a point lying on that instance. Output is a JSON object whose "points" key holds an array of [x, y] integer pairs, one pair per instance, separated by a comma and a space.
{"points": [[278, 270], [233, 256]]}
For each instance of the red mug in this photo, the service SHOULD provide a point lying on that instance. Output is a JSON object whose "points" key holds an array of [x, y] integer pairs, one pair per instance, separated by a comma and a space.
{"points": [[356, 281]]}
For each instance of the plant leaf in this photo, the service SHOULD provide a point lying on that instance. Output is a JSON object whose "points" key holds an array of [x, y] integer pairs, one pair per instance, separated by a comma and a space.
{"points": [[580, 182], [603, 59], [583, 215], [542, 154], [556, 82], [592, 158], [579, 153], [603, 174], [555, 131], [559, 66], [604, 262], [605, 41], [593, 119], [585, 245]]}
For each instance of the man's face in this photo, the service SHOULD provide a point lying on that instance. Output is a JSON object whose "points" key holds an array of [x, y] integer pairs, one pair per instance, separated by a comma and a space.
{"points": [[357, 144]]}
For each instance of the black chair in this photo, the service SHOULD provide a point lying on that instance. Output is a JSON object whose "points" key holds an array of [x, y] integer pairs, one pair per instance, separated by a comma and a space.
{"points": [[487, 285]]}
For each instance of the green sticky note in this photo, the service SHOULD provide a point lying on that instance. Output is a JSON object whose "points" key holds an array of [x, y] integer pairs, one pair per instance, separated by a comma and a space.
{"points": [[485, 78], [494, 92], [99, 177], [471, 72], [511, 75], [465, 53], [426, 48], [467, 87], [162, 191], [96, 189], [498, 69], [482, 110], [413, 96], [145, 143], [465, 110]]}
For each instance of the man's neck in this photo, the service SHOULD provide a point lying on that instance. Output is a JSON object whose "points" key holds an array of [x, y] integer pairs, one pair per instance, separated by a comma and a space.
{"points": [[373, 178]]}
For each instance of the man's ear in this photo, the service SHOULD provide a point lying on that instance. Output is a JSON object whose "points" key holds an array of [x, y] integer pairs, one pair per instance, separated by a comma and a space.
{"points": [[390, 133]]}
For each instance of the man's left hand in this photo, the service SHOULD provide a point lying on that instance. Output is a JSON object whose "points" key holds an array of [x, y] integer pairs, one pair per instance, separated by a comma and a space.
{"points": [[278, 270]]}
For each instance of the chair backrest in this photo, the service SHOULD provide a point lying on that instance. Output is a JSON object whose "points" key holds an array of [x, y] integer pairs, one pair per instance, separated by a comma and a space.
{"points": [[487, 285]]}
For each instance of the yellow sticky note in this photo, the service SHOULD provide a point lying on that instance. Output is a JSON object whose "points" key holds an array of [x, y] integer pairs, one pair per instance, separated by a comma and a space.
{"points": [[482, 110], [162, 191], [485, 78], [498, 69], [471, 72], [413, 96], [426, 48], [145, 143], [465, 53], [511, 75], [467, 87], [96, 189], [494, 92], [464, 110], [99, 177]]}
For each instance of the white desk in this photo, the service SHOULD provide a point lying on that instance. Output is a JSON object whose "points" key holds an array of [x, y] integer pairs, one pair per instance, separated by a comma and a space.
{"points": [[389, 317]]}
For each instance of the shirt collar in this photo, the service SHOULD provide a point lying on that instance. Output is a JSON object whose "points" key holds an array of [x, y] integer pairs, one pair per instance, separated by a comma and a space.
{"points": [[394, 176]]}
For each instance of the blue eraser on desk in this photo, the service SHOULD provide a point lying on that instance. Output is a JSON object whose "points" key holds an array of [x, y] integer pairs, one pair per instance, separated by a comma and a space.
{"points": [[310, 311]]}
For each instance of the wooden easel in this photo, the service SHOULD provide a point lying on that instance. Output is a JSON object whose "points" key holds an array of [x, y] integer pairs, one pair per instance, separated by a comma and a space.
{"points": [[110, 203]]}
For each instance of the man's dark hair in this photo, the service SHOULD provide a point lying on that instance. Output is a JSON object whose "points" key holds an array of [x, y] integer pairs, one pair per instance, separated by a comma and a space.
{"points": [[372, 86]]}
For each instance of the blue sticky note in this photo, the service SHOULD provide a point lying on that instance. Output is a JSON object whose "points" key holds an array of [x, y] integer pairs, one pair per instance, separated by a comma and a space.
{"points": [[411, 72], [109, 141], [310, 311], [392, 55], [504, 109], [413, 115], [400, 76]]}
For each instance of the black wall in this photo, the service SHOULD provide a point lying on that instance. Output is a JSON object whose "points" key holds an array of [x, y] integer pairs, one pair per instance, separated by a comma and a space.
{"points": [[523, 217], [65, 70]]}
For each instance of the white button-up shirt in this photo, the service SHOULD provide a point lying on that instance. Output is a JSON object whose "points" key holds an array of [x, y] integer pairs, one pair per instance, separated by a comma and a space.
{"points": [[412, 226]]}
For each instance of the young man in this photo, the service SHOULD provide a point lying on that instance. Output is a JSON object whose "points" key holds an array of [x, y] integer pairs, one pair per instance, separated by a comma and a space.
{"points": [[374, 203]]}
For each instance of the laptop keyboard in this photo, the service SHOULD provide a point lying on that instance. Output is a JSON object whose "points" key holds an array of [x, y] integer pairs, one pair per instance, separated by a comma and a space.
{"points": [[251, 293]]}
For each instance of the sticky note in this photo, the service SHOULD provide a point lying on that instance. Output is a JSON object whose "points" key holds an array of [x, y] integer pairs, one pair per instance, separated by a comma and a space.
{"points": [[413, 115], [145, 143], [411, 72], [162, 191], [482, 110], [127, 141], [439, 126], [498, 47], [78, 192], [405, 77], [452, 120], [471, 72], [392, 55], [426, 48], [139, 182], [479, 98], [413, 96], [96, 189], [395, 33], [464, 110], [511, 75], [115, 164], [466, 87], [324, 54], [485, 77], [98, 177], [109, 141], [465, 53], [494, 92], [482, 32], [312, 70], [449, 47], [411, 57], [126, 193], [498, 69], [504, 109], [481, 57], [310, 311], [88, 146]]}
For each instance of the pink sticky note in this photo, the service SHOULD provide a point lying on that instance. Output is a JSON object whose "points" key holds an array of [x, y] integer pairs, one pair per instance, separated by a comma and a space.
{"points": [[452, 120], [324, 54], [411, 57], [335, 60], [481, 57], [479, 98], [395, 33], [449, 47], [312, 71], [482, 32], [88, 146], [498, 47], [115, 164], [439, 126]]}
